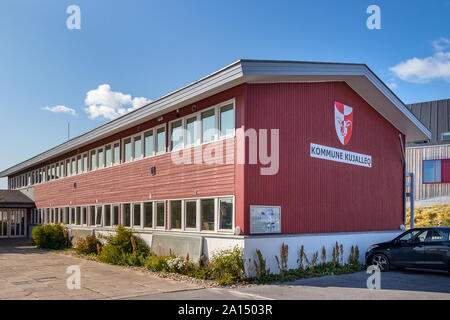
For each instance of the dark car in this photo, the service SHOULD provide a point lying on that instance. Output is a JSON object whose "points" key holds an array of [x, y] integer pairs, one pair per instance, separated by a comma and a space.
{"points": [[427, 248]]}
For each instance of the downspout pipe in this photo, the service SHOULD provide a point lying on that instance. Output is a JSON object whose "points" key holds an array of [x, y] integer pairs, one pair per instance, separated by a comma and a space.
{"points": [[404, 177]]}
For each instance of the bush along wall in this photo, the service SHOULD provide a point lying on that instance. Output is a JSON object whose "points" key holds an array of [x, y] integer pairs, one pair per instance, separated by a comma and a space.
{"points": [[316, 265], [225, 266]]}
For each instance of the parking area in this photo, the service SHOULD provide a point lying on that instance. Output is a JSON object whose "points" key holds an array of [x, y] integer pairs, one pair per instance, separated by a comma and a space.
{"points": [[30, 273]]}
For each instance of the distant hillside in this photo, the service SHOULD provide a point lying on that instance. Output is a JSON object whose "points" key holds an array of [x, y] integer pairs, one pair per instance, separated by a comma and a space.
{"points": [[430, 216]]}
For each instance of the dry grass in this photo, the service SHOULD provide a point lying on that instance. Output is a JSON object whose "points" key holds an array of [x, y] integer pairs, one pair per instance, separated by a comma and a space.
{"points": [[430, 216]]}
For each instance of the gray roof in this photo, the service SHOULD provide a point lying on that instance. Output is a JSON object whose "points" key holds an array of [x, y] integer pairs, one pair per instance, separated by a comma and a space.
{"points": [[435, 115], [358, 76], [15, 199]]}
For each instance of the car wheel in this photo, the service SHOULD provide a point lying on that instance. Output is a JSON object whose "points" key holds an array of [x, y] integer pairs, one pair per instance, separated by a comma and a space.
{"points": [[381, 261]]}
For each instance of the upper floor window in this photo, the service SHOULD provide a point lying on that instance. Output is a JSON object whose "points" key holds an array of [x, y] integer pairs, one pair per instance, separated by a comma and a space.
{"points": [[227, 120], [127, 150], [208, 125], [161, 140]]}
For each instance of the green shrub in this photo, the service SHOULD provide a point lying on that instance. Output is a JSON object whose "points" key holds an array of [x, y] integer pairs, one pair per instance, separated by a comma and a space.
{"points": [[124, 248], [156, 263], [50, 236], [227, 266], [88, 245]]}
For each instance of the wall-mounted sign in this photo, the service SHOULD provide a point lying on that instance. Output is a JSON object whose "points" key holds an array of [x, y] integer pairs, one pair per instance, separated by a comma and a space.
{"points": [[338, 155], [265, 219]]}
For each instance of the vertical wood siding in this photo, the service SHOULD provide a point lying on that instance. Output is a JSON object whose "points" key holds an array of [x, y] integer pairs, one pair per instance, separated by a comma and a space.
{"points": [[414, 160], [317, 195]]}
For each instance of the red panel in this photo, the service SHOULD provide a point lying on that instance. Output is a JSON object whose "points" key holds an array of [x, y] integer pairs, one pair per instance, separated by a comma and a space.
{"points": [[319, 195], [445, 168]]}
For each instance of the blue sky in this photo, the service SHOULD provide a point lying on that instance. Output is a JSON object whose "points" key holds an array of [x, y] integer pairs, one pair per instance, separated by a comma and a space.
{"points": [[144, 49]]}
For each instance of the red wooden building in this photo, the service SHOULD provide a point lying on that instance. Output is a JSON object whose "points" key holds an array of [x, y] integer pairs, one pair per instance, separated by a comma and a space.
{"points": [[256, 154]]}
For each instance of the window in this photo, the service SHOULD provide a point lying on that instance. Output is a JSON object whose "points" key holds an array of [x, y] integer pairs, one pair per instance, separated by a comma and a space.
{"points": [[148, 215], [446, 136], [226, 214], [93, 160], [79, 165], [161, 140], [115, 217], [66, 216], [431, 171], [72, 216], [208, 125], [227, 120], [85, 162], [92, 216], [207, 214], [126, 215], [68, 169], [116, 153], [149, 148], [78, 216], [101, 159], [190, 215], [74, 167], [160, 215], [127, 149], [176, 135], [136, 215], [175, 214], [84, 216], [108, 156], [99, 216], [137, 150], [191, 131], [107, 216], [57, 174], [439, 235]]}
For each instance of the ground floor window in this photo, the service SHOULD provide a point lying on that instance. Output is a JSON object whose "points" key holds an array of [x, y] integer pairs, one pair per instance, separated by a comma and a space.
{"points": [[160, 215], [126, 215], [175, 214], [226, 214], [107, 216], [148, 214], [207, 214], [115, 215], [92, 216], [190, 218], [136, 215]]}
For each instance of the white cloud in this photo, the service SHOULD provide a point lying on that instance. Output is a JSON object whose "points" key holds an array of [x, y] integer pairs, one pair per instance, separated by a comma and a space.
{"points": [[441, 44], [422, 70], [61, 109], [104, 103]]}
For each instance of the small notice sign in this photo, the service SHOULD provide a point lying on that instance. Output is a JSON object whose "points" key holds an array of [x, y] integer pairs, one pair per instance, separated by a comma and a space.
{"points": [[339, 155], [265, 219]]}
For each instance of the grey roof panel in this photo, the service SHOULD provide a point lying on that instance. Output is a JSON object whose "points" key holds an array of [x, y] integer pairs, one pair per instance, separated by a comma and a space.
{"points": [[435, 115]]}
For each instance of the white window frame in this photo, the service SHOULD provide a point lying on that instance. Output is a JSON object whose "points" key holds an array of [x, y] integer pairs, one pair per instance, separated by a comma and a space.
{"points": [[152, 130], [143, 215], [169, 134], [156, 139], [122, 215], [155, 224], [169, 217], [197, 215], [232, 214], [114, 163], [140, 226], [123, 149]]}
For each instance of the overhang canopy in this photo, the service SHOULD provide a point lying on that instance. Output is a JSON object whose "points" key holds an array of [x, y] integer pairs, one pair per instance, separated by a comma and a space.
{"points": [[358, 76], [15, 199]]}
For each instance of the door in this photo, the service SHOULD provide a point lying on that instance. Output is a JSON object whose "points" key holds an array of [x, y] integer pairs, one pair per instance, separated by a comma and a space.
{"points": [[409, 250], [3, 224], [437, 249], [12, 223]]}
